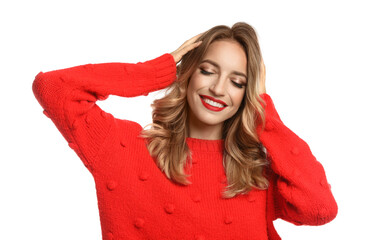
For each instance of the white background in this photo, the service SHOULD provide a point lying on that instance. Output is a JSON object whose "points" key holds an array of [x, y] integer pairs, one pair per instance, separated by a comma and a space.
{"points": [[316, 59]]}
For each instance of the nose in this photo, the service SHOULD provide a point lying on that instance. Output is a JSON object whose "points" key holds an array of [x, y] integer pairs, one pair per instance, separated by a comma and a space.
{"points": [[218, 87]]}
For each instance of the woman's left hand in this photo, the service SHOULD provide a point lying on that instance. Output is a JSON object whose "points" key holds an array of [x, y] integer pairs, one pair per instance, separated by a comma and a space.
{"points": [[262, 78]]}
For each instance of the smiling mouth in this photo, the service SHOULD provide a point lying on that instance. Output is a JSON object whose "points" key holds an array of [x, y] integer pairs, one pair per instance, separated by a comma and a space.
{"points": [[212, 105]]}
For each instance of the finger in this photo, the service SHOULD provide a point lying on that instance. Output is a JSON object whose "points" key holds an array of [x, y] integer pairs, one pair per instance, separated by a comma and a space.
{"points": [[189, 48], [191, 40], [193, 45]]}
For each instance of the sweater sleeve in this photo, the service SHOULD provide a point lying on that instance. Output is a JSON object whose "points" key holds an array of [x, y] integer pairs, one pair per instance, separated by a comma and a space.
{"points": [[68, 97], [301, 193]]}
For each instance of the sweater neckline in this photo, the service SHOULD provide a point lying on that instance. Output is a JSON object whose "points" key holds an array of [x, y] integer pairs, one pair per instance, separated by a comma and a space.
{"points": [[196, 144]]}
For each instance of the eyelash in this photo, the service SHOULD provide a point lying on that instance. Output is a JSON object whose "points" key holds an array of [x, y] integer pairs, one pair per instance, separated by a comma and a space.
{"points": [[204, 72], [238, 85]]}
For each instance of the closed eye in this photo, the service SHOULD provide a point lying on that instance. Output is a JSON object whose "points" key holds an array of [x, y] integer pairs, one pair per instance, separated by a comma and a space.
{"points": [[204, 72], [238, 84]]}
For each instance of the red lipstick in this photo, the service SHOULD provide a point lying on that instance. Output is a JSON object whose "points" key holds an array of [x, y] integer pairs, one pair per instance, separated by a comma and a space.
{"points": [[210, 107], [214, 99]]}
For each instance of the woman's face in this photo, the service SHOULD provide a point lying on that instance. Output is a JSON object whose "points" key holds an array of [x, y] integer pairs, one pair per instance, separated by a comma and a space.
{"points": [[217, 86]]}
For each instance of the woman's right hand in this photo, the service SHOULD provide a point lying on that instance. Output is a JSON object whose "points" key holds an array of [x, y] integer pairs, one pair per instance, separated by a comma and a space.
{"points": [[186, 47]]}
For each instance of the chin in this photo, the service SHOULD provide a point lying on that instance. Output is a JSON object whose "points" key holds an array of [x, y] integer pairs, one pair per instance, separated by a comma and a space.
{"points": [[211, 121]]}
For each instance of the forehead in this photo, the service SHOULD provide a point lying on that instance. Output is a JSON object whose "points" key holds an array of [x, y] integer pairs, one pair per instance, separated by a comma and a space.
{"points": [[229, 54]]}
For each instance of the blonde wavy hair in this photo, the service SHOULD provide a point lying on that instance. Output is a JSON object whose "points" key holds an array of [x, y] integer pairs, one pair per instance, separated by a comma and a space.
{"points": [[244, 157]]}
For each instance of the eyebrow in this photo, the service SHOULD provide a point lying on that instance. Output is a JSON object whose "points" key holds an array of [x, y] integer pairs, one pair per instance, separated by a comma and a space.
{"points": [[218, 66]]}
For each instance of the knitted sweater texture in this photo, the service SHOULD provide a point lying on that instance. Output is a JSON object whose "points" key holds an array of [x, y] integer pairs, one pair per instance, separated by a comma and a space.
{"points": [[137, 201]]}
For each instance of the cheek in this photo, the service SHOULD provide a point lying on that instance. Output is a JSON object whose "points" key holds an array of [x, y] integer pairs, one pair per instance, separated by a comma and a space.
{"points": [[192, 89], [199, 81], [237, 97], [195, 82]]}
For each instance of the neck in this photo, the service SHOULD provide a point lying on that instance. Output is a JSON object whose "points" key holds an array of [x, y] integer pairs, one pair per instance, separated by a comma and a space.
{"points": [[200, 130]]}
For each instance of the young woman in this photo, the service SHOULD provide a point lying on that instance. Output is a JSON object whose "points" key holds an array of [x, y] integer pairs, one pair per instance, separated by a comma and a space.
{"points": [[217, 161]]}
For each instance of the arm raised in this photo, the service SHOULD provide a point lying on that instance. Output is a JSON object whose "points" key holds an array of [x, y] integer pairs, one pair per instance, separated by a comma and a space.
{"points": [[69, 98]]}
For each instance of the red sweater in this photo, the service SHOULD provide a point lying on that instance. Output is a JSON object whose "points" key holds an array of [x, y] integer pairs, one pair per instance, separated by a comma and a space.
{"points": [[137, 201]]}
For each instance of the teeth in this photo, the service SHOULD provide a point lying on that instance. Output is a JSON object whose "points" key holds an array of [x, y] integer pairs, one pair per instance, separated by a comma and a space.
{"points": [[212, 103]]}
